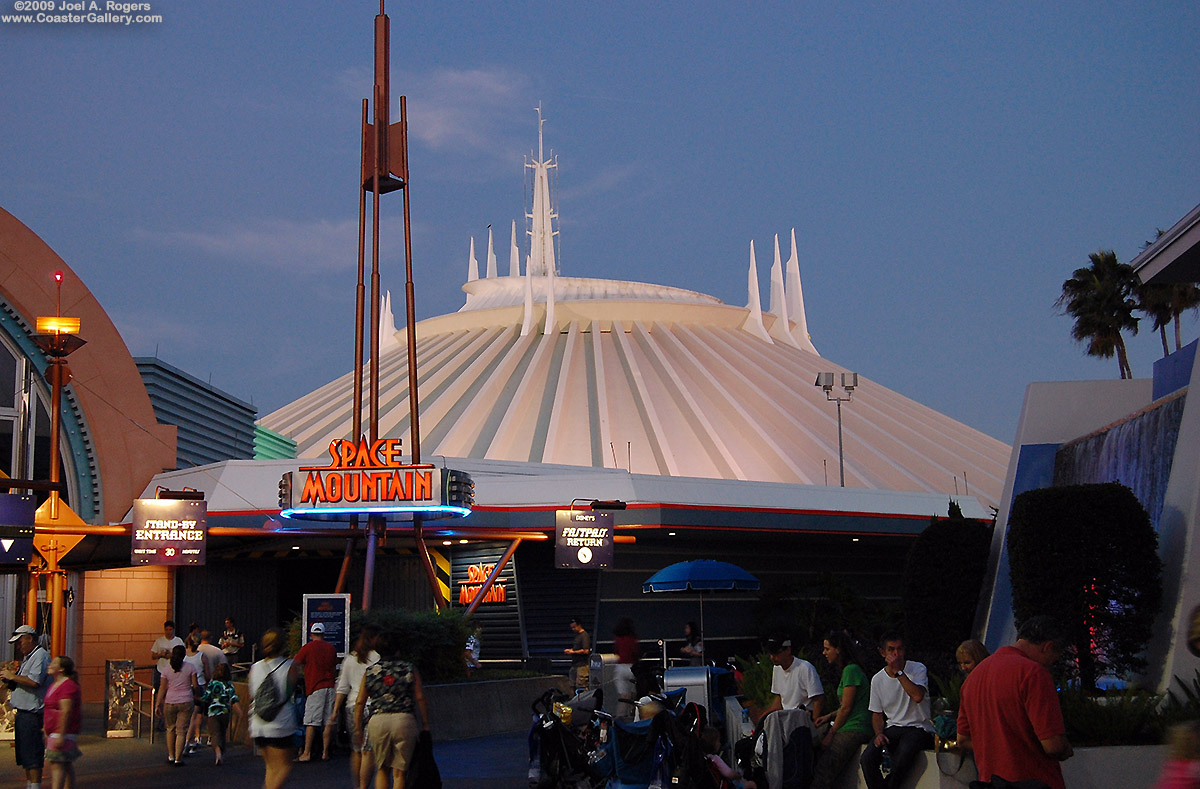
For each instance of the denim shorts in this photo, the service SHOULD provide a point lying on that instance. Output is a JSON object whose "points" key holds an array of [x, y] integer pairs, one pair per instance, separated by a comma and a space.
{"points": [[31, 748]]}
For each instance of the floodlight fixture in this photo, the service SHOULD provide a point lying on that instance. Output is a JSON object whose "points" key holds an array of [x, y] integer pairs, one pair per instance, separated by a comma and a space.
{"points": [[849, 384]]}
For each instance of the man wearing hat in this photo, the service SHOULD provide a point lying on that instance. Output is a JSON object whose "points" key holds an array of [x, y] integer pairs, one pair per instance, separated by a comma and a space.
{"points": [[318, 659], [28, 686], [794, 680]]}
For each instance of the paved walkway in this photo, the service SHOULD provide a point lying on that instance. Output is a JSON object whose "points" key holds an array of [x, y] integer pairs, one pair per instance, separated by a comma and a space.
{"points": [[499, 761]]}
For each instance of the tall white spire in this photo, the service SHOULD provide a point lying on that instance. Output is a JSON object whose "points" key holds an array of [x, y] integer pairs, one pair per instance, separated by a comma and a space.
{"points": [[781, 330], [754, 321], [542, 216], [795, 301], [387, 325], [491, 256], [514, 254], [472, 264]]}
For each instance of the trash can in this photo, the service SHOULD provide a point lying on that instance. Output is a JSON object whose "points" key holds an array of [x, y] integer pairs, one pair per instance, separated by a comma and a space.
{"points": [[602, 667], [695, 680]]}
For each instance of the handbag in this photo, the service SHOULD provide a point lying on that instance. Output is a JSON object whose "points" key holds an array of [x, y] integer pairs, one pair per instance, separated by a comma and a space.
{"points": [[423, 771]]}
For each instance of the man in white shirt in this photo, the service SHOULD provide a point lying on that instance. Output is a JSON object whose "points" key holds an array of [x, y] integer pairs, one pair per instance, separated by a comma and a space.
{"points": [[213, 656], [899, 713], [794, 680], [161, 649]]}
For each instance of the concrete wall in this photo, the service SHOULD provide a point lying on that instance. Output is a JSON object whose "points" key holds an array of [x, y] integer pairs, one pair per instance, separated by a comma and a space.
{"points": [[1053, 413], [476, 709], [122, 613], [1179, 547], [1129, 767]]}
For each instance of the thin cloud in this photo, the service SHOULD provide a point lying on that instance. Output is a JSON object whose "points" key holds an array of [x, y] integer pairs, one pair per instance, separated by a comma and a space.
{"points": [[462, 110], [317, 246], [607, 180]]}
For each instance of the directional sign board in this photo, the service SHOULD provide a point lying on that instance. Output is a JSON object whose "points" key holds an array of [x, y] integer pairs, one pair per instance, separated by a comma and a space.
{"points": [[583, 539], [16, 528], [169, 531]]}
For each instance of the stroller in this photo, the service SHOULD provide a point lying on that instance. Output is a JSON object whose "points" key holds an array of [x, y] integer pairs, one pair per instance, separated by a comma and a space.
{"points": [[663, 750], [565, 740]]}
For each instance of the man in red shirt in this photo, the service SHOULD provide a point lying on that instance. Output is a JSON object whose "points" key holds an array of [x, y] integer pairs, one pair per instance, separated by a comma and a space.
{"points": [[317, 658], [1010, 714]]}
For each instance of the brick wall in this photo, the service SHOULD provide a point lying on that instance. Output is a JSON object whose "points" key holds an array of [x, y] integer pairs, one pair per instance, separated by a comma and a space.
{"points": [[123, 612]]}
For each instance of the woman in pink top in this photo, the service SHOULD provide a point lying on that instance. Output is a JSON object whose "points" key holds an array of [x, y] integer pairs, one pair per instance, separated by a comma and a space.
{"points": [[63, 717], [175, 703]]}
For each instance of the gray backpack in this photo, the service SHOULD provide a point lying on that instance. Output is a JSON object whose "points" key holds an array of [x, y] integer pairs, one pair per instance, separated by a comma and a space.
{"points": [[268, 701]]}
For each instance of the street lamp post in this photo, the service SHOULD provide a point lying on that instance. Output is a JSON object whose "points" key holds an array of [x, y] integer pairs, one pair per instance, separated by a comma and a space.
{"points": [[58, 338], [849, 383]]}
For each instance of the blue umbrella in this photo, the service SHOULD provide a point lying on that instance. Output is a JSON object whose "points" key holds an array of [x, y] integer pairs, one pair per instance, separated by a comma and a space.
{"points": [[701, 575]]}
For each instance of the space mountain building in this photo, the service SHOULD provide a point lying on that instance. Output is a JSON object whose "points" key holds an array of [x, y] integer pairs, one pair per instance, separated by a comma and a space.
{"points": [[702, 416]]}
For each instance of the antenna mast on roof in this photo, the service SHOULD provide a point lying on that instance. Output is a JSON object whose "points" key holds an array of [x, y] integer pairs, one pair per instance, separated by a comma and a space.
{"points": [[542, 216]]}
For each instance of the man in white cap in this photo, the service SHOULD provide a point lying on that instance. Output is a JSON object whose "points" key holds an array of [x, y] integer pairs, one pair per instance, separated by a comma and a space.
{"points": [[318, 659], [28, 686]]}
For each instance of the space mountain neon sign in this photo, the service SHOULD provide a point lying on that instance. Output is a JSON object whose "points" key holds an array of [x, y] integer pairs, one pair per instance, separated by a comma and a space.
{"points": [[368, 478]]}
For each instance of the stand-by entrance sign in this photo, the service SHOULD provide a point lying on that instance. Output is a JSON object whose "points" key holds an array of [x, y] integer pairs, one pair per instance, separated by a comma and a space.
{"points": [[169, 531], [16, 528], [583, 539]]}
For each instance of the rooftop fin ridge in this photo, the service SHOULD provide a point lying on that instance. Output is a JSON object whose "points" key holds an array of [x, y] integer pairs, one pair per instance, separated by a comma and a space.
{"points": [[491, 256], [754, 321], [795, 300], [780, 329]]}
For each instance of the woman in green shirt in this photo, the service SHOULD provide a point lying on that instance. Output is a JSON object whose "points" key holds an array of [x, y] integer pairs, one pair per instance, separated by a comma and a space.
{"points": [[852, 720]]}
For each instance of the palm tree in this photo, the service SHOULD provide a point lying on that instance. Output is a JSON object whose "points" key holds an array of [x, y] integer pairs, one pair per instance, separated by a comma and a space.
{"points": [[1100, 298], [1184, 297], [1154, 301], [1167, 302]]}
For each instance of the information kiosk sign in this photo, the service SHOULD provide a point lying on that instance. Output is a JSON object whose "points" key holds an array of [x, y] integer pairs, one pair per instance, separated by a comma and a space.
{"points": [[333, 612], [583, 539]]}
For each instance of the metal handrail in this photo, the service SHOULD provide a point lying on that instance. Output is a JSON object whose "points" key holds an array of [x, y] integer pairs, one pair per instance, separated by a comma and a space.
{"points": [[141, 712]]}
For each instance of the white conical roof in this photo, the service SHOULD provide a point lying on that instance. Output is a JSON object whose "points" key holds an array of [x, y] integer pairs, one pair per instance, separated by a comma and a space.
{"points": [[655, 385], [651, 379]]}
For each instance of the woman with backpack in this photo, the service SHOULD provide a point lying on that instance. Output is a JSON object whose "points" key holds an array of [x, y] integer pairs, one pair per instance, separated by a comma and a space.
{"points": [[272, 715]]}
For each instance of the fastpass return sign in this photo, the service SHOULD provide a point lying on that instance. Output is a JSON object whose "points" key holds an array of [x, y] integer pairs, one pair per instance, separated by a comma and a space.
{"points": [[368, 478]]}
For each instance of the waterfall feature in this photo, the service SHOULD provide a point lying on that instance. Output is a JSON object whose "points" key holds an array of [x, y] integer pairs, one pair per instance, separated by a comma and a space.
{"points": [[1137, 452]]}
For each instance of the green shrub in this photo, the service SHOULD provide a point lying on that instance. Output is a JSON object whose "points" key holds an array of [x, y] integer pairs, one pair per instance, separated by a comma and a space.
{"points": [[1088, 555], [949, 692], [1185, 707], [1127, 717], [433, 641], [942, 577], [756, 679]]}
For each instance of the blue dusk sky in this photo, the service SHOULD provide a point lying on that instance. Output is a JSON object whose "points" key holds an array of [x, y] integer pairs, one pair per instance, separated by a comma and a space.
{"points": [[945, 165]]}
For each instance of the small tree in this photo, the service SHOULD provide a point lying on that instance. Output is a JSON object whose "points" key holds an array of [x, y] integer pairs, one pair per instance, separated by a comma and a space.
{"points": [[945, 569], [1088, 555], [1100, 299]]}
